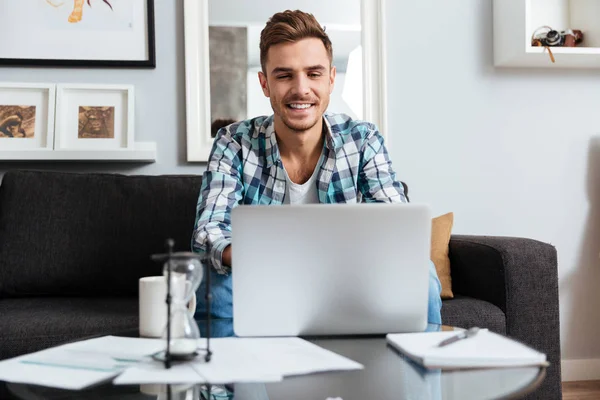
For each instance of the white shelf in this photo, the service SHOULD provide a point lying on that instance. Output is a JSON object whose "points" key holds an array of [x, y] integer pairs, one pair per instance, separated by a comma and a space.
{"points": [[512, 41], [566, 50], [143, 152]]}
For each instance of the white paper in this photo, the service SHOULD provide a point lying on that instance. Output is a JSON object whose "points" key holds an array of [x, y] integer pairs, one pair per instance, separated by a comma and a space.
{"points": [[14, 371], [79, 364], [231, 363], [245, 360], [30, 369], [286, 356], [155, 372], [228, 364], [119, 348], [485, 349]]}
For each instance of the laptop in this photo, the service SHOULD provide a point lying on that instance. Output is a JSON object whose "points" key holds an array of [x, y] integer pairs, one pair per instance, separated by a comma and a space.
{"points": [[330, 269]]}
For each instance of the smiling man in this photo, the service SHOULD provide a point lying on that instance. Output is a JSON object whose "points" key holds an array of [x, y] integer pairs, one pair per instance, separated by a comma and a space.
{"points": [[298, 155]]}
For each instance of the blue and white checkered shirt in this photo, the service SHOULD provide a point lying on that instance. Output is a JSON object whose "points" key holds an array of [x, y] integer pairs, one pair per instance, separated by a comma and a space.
{"points": [[245, 168]]}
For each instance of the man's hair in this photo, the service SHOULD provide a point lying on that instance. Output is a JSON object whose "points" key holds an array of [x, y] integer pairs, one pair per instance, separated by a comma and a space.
{"points": [[288, 27], [218, 124]]}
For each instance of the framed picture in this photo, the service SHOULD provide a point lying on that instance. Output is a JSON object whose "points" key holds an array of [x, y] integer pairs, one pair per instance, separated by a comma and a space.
{"points": [[26, 116], [94, 117], [79, 33]]}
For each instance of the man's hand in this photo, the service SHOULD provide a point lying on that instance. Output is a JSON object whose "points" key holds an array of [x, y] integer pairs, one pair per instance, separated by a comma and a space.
{"points": [[226, 259]]}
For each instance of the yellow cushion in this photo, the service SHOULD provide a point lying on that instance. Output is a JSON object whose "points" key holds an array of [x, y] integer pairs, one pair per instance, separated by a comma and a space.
{"points": [[441, 229]]}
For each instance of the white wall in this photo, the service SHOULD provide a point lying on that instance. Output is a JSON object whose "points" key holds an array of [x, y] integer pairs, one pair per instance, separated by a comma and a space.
{"points": [[511, 152], [585, 15], [555, 13], [329, 12]]}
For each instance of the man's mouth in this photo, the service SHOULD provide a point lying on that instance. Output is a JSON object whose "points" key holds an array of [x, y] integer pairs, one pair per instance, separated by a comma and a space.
{"points": [[299, 106]]}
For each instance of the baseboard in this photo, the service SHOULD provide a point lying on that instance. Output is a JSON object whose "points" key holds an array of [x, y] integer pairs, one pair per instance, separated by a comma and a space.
{"points": [[580, 370]]}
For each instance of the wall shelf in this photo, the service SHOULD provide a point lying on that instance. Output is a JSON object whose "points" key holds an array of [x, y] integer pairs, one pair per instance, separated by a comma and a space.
{"points": [[515, 20], [142, 152]]}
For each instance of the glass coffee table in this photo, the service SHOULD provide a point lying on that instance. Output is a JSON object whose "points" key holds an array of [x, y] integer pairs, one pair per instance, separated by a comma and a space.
{"points": [[386, 375]]}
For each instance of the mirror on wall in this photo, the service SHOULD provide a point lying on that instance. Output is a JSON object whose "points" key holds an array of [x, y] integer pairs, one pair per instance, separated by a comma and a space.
{"points": [[234, 37], [223, 59]]}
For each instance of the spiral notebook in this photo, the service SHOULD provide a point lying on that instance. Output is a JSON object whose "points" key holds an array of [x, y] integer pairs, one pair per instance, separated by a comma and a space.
{"points": [[484, 350]]}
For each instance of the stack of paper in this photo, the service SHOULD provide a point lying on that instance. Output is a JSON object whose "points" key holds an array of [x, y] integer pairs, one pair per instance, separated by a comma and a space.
{"points": [[484, 350], [82, 364], [245, 360]]}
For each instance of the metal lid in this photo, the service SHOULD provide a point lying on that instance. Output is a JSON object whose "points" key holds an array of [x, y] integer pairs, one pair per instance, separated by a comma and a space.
{"points": [[180, 255]]}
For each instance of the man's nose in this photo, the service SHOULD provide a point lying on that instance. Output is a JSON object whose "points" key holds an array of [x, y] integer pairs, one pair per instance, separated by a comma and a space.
{"points": [[301, 85]]}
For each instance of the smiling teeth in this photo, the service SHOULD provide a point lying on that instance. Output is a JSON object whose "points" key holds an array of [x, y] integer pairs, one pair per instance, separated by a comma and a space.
{"points": [[300, 105]]}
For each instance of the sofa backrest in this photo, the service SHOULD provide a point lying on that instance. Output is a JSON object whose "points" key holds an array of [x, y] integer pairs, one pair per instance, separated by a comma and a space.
{"points": [[70, 234]]}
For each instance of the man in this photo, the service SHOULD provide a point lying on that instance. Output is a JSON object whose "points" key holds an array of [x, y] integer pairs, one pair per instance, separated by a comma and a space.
{"points": [[298, 155]]}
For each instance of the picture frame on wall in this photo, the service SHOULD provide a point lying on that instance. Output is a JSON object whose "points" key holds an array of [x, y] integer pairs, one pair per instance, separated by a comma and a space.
{"points": [[94, 117], [78, 33], [27, 116]]}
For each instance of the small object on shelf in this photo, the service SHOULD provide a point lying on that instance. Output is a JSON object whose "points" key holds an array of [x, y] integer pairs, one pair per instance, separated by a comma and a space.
{"points": [[547, 37]]}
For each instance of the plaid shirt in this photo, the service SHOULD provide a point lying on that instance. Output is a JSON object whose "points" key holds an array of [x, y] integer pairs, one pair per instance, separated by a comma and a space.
{"points": [[245, 168]]}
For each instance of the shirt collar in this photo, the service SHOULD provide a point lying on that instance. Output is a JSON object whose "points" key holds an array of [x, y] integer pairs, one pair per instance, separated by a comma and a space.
{"points": [[271, 150]]}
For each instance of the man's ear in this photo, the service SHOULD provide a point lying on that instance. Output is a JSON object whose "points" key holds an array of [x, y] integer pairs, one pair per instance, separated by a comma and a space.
{"points": [[332, 78], [262, 78]]}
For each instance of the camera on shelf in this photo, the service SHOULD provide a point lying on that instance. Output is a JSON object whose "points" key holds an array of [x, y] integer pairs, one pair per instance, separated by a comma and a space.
{"points": [[546, 36]]}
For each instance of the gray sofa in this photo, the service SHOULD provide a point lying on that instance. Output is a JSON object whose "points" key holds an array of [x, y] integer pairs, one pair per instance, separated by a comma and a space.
{"points": [[72, 247]]}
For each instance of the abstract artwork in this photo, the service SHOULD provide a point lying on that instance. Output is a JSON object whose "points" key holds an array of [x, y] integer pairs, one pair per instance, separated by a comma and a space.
{"points": [[77, 13], [78, 33]]}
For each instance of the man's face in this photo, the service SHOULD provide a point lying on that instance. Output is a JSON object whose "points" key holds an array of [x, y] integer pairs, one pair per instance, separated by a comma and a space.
{"points": [[299, 80]]}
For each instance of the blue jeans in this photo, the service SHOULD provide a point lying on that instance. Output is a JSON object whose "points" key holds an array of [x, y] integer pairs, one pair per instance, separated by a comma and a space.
{"points": [[434, 308], [222, 304]]}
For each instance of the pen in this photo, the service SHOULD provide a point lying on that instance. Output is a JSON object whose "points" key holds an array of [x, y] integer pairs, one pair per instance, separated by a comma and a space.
{"points": [[462, 335]]}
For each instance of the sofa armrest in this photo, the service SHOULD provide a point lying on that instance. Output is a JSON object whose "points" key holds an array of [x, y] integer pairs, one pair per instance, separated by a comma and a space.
{"points": [[520, 276]]}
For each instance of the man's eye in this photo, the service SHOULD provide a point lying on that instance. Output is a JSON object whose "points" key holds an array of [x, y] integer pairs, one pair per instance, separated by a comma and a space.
{"points": [[283, 76], [314, 75]]}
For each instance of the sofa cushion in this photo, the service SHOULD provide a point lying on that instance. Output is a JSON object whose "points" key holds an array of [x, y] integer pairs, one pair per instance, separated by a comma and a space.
{"points": [[89, 234], [466, 312], [441, 231], [37, 323]]}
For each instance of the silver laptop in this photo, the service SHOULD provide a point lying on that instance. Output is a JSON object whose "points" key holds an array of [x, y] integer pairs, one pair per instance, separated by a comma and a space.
{"points": [[330, 269]]}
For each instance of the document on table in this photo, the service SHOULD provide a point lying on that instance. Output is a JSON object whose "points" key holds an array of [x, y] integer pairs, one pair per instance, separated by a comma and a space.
{"points": [[290, 356], [235, 360], [246, 360], [484, 350], [80, 364]]}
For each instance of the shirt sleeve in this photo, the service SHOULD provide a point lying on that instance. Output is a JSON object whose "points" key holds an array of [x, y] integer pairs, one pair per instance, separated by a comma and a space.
{"points": [[377, 180], [221, 191]]}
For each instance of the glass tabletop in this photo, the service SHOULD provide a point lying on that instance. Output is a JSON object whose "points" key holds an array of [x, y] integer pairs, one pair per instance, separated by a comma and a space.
{"points": [[386, 375]]}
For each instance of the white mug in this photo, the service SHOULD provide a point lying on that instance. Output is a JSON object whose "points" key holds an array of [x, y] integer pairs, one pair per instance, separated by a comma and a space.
{"points": [[153, 306]]}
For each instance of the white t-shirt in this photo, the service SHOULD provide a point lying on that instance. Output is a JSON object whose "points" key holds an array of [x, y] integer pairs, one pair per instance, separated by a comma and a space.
{"points": [[305, 193]]}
